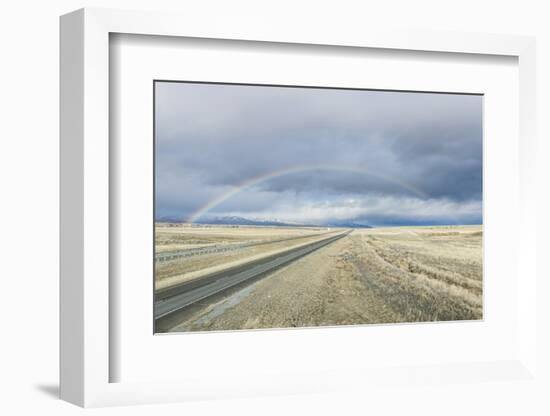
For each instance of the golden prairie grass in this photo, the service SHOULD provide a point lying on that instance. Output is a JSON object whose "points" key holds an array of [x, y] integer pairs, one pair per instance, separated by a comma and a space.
{"points": [[424, 274]]}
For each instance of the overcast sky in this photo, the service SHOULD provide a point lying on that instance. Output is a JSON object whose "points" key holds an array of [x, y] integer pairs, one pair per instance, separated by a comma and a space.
{"points": [[317, 156]]}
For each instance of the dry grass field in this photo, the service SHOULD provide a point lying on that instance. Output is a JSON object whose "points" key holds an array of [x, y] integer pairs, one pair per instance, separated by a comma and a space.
{"points": [[423, 274], [380, 275], [182, 236], [238, 244]]}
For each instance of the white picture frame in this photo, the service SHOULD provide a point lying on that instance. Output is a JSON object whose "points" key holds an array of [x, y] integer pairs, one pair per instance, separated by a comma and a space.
{"points": [[85, 208]]}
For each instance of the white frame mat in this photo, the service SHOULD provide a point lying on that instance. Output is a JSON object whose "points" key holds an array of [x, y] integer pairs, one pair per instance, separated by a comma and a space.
{"points": [[85, 355]]}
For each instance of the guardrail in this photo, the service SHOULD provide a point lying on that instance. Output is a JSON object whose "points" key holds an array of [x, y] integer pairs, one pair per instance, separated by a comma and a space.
{"points": [[221, 248], [170, 301]]}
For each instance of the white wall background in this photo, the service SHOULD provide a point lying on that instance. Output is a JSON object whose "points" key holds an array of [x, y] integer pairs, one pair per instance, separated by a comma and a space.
{"points": [[29, 205]]}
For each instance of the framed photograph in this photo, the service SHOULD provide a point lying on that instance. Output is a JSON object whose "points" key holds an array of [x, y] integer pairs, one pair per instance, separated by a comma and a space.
{"points": [[285, 206], [260, 211]]}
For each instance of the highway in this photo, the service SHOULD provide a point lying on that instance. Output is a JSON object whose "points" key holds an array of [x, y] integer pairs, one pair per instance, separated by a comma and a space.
{"points": [[220, 248], [172, 300]]}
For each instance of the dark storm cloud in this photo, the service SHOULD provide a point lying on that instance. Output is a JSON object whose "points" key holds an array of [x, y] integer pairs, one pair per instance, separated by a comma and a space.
{"points": [[358, 145]]}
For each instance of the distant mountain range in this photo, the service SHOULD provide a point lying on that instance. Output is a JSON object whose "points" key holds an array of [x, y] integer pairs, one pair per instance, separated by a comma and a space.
{"points": [[348, 224], [235, 220]]}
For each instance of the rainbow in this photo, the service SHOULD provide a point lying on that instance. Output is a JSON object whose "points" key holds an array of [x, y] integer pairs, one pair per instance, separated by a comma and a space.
{"points": [[298, 169]]}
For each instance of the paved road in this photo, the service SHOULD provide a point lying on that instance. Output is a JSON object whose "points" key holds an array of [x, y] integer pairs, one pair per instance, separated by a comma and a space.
{"points": [[220, 248], [172, 300]]}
